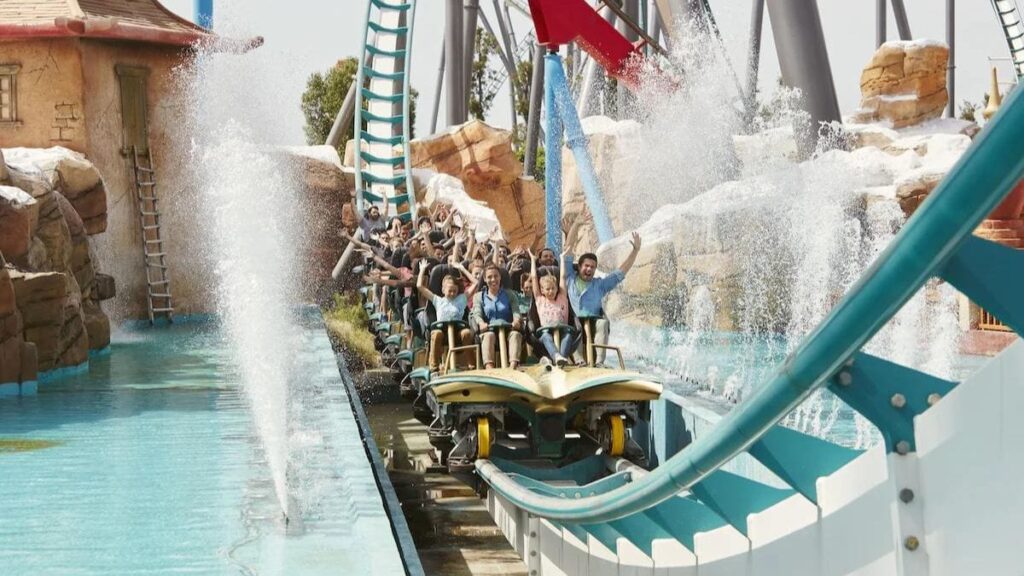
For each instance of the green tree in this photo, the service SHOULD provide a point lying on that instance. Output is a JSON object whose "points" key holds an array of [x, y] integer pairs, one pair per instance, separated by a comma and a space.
{"points": [[323, 98], [524, 80], [480, 99]]}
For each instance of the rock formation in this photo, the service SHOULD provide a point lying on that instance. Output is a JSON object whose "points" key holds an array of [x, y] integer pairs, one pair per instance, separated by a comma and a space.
{"points": [[482, 158], [713, 241], [17, 356], [904, 83], [50, 202]]}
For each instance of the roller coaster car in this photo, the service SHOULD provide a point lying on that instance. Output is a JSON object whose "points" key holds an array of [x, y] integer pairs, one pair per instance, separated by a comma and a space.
{"points": [[542, 413]]}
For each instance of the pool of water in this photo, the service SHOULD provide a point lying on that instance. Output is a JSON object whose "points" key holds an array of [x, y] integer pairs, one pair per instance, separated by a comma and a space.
{"points": [[149, 464], [717, 370]]}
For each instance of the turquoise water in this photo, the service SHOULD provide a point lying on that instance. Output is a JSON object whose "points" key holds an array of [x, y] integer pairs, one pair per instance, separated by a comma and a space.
{"points": [[149, 464], [710, 368]]}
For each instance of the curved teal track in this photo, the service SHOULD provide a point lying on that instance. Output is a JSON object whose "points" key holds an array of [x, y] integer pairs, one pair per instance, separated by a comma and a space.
{"points": [[936, 242]]}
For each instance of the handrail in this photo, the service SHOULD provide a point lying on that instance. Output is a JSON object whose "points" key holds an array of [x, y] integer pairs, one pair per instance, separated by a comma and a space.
{"points": [[972, 189]]}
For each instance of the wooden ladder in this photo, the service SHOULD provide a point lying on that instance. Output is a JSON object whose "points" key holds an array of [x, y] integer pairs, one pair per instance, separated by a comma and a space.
{"points": [[158, 283]]}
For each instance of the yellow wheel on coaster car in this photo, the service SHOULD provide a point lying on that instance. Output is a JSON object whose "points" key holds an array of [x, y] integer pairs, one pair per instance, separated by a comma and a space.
{"points": [[615, 441], [483, 437]]}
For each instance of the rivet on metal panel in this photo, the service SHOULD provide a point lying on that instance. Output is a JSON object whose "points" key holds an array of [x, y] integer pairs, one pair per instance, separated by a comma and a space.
{"points": [[898, 400], [902, 447], [845, 378], [911, 543], [906, 495], [934, 398]]}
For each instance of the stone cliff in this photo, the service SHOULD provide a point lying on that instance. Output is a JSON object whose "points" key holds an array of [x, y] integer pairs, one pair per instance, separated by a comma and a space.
{"points": [[51, 201]]}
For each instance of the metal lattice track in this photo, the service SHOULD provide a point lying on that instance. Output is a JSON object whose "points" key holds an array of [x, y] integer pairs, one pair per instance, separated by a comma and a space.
{"points": [[501, 75], [1009, 19], [382, 123]]}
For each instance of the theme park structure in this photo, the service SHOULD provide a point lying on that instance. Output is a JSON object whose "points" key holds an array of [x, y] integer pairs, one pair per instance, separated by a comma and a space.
{"points": [[654, 492]]}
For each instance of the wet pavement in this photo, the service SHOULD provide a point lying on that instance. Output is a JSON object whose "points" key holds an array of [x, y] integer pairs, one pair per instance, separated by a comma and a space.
{"points": [[453, 531]]}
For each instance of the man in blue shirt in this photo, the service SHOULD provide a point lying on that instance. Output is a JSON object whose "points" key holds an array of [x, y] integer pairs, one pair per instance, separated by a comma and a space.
{"points": [[587, 293]]}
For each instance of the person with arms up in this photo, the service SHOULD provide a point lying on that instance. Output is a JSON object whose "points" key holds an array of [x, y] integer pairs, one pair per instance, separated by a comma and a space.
{"points": [[587, 292]]}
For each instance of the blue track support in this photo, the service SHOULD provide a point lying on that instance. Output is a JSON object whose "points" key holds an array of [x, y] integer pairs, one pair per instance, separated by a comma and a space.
{"points": [[203, 11], [978, 182], [799, 459], [552, 158], [555, 84], [889, 395], [993, 276]]}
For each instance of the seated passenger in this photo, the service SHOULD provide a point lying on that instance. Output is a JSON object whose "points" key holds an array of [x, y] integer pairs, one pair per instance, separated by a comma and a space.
{"points": [[450, 306], [552, 310], [587, 293], [547, 257], [495, 303]]}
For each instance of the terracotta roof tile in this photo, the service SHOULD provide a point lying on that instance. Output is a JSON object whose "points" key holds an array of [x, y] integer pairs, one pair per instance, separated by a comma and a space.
{"points": [[137, 12], [36, 11], [149, 13]]}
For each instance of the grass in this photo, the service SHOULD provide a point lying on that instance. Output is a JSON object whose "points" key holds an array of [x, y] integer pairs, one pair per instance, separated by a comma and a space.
{"points": [[347, 320]]}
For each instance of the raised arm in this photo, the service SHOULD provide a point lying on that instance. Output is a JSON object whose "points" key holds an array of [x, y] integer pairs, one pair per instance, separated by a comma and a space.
{"points": [[421, 285], [628, 262], [572, 235], [561, 270], [533, 274]]}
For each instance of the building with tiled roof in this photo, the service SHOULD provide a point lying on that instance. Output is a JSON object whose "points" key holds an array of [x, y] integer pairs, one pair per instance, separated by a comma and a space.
{"points": [[101, 77], [139, 20]]}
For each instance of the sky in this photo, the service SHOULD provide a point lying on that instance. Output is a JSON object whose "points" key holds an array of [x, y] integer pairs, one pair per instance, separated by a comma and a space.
{"points": [[310, 35]]}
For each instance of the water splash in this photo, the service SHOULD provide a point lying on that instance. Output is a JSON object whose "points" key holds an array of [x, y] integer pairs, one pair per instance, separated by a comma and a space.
{"points": [[245, 201]]}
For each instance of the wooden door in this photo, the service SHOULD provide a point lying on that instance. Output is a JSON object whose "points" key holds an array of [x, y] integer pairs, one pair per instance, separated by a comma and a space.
{"points": [[134, 121]]}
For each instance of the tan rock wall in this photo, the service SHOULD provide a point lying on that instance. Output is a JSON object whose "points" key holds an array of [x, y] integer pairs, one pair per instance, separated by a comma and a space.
{"points": [[17, 357], [482, 157], [49, 90], [904, 83]]}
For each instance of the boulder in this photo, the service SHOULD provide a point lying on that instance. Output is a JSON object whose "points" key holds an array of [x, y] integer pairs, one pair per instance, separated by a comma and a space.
{"points": [[904, 83], [18, 213], [911, 192], [104, 288], [52, 317], [72, 174], [10, 360], [477, 154], [481, 157], [97, 325], [29, 362], [54, 233]]}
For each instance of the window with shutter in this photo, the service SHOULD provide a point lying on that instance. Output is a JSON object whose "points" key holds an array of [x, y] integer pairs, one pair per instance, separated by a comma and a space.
{"points": [[9, 92]]}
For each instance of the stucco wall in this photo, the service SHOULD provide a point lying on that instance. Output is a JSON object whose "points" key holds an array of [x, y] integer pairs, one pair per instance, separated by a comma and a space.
{"points": [[120, 249], [49, 94]]}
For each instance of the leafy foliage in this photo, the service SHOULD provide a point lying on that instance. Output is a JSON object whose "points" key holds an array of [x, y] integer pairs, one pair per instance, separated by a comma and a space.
{"points": [[324, 95], [323, 98], [483, 74]]}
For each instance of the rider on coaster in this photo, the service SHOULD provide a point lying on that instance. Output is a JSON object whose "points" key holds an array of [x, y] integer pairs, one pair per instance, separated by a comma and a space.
{"points": [[496, 303], [586, 293], [552, 310], [450, 306]]}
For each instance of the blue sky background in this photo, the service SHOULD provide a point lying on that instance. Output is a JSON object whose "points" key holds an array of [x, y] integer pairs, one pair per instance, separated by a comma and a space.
{"points": [[312, 34]]}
